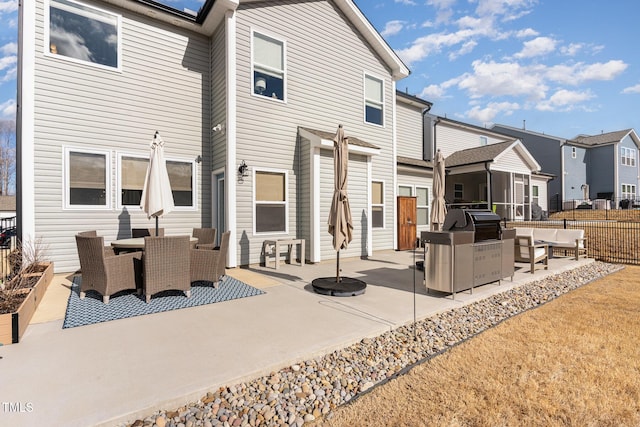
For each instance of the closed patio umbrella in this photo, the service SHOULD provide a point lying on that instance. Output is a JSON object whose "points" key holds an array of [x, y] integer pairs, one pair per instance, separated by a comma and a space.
{"points": [[340, 223], [438, 207], [157, 198]]}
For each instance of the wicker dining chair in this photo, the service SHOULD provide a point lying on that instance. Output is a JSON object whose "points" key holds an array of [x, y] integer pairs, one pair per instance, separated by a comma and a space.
{"points": [[208, 265], [108, 250], [166, 265], [104, 272], [206, 237], [144, 232]]}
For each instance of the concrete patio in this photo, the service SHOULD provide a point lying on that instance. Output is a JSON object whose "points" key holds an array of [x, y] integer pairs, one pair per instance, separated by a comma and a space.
{"points": [[121, 370]]}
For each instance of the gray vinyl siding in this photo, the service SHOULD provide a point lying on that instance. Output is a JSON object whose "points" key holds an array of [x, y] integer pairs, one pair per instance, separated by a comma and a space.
{"points": [[162, 86], [627, 174], [409, 130], [325, 62], [576, 171], [450, 139]]}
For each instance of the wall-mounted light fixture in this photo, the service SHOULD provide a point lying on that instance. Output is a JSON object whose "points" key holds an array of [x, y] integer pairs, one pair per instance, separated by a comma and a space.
{"points": [[217, 128], [199, 159], [242, 169]]}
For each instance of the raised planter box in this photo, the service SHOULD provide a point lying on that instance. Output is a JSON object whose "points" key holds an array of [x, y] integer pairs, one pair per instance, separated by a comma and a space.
{"points": [[13, 325]]}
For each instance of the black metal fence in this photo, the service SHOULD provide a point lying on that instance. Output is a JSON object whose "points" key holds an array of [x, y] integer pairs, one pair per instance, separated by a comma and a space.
{"points": [[607, 240], [7, 244], [610, 208]]}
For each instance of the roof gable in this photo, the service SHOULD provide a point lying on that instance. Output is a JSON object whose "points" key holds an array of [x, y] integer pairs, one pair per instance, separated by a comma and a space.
{"points": [[491, 153], [607, 138]]}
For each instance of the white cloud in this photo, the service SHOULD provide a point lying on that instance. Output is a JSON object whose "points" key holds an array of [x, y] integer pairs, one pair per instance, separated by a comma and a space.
{"points": [[464, 50], [9, 49], [8, 6], [564, 100], [572, 49], [579, 73], [527, 32], [407, 2], [511, 9], [487, 114], [392, 28], [503, 79], [8, 61], [432, 43], [632, 89], [433, 92], [537, 47], [8, 108]]}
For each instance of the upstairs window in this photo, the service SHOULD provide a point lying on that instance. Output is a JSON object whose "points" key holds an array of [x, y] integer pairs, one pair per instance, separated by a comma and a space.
{"points": [[268, 77], [373, 100], [483, 141], [83, 33], [628, 156], [573, 153]]}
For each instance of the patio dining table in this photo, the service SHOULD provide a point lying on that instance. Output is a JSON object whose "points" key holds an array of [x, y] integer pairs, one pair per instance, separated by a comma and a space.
{"points": [[137, 244]]}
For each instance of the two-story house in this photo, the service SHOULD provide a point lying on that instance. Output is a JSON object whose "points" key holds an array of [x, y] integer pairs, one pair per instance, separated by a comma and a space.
{"points": [[586, 167], [247, 96]]}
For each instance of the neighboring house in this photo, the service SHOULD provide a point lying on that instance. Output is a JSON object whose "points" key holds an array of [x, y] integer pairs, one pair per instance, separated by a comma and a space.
{"points": [[612, 170], [247, 96], [486, 169], [414, 169], [585, 168], [7, 206]]}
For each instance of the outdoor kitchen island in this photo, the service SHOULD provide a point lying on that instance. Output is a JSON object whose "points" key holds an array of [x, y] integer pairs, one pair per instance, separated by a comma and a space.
{"points": [[471, 250]]}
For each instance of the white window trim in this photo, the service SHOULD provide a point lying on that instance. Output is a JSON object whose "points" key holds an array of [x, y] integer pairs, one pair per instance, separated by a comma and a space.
{"points": [[284, 70], [427, 206], [628, 157], [484, 141], [364, 99], [286, 201], [67, 184], [47, 42], [458, 184], [383, 205], [194, 170], [631, 194]]}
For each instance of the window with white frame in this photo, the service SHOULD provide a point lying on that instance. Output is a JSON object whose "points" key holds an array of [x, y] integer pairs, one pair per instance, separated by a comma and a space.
{"points": [[535, 190], [268, 76], [83, 33], [133, 170], [628, 156], [405, 191], [628, 191], [574, 153], [373, 100], [270, 201], [458, 191], [422, 205], [87, 178], [377, 204], [483, 141]]}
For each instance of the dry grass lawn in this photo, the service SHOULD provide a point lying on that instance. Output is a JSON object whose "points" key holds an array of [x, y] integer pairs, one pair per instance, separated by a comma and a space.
{"points": [[572, 362]]}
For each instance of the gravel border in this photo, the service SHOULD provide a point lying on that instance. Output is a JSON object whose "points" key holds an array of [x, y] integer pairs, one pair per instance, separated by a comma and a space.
{"points": [[305, 391]]}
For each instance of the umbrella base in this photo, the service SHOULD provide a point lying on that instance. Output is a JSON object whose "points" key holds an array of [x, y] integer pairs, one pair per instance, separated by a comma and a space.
{"points": [[347, 287]]}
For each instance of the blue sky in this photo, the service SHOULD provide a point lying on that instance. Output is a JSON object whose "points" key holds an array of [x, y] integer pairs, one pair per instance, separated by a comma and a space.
{"points": [[565, 67]]}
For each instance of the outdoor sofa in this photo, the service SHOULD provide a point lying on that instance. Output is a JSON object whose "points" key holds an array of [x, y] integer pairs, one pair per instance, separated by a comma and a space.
{"points": [[568, 239]]}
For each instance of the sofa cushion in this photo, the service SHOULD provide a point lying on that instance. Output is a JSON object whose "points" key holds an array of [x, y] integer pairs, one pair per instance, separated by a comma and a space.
{"points": [[570, 236], [524, 231], [545, 234]]}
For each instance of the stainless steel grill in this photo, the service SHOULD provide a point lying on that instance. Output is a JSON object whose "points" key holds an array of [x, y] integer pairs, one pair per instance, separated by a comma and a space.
{"points": [[471, 250]]}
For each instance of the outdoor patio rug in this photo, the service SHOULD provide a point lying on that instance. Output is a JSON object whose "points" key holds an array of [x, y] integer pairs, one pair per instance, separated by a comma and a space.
{"points": [[122, 305]]}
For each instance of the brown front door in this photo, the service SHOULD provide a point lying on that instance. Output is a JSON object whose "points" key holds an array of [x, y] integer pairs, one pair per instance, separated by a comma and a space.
{"points": [[407, 216]]}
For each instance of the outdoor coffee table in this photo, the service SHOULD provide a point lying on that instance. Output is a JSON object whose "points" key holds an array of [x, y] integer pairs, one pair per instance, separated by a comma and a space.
{"points": [[550, 246]]}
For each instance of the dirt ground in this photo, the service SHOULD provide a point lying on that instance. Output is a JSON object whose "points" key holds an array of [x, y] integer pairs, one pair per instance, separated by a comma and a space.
{"points": [[572, 362]]}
